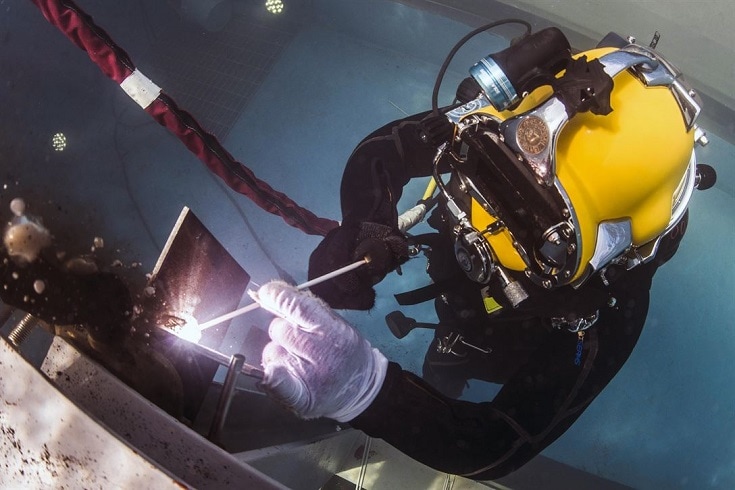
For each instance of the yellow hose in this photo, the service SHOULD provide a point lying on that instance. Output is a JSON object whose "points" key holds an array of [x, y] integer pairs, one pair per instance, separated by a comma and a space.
{"points": [[430, 188]]}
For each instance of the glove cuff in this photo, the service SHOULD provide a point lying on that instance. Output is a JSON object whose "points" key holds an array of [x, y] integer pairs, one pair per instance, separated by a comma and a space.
{"points": [[369, 390]]}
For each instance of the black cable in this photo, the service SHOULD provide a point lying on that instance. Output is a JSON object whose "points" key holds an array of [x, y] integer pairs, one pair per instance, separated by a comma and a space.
{"points": [[124, 168], [460, 43]]}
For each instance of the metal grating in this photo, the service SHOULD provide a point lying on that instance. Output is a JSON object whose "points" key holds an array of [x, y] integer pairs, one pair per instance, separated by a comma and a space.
{"points": [[213, 75]]}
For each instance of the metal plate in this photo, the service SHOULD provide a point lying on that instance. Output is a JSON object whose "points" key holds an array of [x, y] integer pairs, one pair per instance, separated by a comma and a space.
{"points": [[194, 276]]}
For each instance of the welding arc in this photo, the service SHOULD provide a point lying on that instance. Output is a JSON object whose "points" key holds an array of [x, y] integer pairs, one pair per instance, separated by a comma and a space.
{"points": [[307, 284]]}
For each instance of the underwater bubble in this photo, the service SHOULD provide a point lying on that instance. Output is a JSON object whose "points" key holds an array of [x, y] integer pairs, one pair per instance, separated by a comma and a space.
{"points": [[18, 206], [39, 286]]}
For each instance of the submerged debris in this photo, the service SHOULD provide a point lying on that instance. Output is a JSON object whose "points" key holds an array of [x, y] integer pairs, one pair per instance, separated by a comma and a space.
{"points": [[81, 265], [24, 238]]}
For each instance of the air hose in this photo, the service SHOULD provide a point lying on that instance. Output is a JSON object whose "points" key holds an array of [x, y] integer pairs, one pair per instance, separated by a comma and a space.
{"points": [[460, 43]]}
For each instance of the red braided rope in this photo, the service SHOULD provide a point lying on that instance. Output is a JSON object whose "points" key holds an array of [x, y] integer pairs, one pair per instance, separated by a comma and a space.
{"points": [[117, 65]]}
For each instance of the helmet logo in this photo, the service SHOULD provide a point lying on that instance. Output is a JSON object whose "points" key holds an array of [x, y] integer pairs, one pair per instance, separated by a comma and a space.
{"points": [[532, 135]]}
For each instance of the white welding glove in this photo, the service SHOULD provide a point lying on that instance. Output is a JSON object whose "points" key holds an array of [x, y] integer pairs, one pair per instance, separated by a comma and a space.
{"points": [[316, 364]]}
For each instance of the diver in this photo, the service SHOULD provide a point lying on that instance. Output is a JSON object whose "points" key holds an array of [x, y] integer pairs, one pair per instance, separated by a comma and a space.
{"points": [[568, 181]]}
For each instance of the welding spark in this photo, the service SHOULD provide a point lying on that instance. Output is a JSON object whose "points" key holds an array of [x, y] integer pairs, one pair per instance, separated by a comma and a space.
{"points": [[184, 326]]}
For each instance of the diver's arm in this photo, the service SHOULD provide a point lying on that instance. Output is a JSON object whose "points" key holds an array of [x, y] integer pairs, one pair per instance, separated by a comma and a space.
{"points": [[477, 440], [537, 405], [319, 365], [380, 166], [371, 186]]}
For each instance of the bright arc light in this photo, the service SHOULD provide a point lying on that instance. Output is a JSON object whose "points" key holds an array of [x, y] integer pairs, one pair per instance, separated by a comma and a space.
{"points": [[58, 142], [190, 331], [274, 6], [186, 328]]}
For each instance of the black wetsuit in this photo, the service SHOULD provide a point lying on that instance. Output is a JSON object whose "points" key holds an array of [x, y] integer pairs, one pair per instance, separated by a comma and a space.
{"points": [[549, 375]]}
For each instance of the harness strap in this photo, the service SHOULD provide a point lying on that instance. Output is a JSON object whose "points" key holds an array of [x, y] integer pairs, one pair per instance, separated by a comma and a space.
{"points": [[423, 294]]}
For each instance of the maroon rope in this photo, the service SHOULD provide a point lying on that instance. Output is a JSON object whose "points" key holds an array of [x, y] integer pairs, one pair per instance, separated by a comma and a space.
{"points": [[117, 65]]}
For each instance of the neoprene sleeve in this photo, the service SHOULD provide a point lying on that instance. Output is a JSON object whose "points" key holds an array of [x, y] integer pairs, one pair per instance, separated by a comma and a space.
{"points": [[535, 406]]}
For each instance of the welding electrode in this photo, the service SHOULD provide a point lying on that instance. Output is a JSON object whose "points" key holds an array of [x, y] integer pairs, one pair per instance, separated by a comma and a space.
{"points": [[307, 284]]}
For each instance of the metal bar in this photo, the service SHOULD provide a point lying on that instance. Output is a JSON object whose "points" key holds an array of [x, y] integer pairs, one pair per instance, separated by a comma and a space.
{"points": [[246, 369], [225, 398]]}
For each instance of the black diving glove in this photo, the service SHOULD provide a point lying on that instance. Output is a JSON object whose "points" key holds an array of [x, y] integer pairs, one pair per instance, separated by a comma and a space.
{"points": [[385, 247], [436, 129]]}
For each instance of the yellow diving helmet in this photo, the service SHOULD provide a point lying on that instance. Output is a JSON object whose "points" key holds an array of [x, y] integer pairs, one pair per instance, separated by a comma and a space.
{"points": [[566, 164]]}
